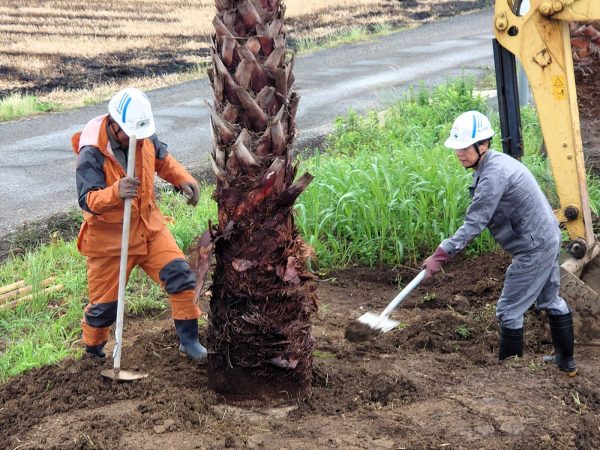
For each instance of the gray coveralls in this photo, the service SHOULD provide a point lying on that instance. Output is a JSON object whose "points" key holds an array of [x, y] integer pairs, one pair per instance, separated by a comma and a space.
{"points": [[507, 199]]}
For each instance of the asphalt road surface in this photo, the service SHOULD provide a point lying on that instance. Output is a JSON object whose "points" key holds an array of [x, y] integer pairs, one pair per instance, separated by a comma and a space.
{"points": [[37, 168]]}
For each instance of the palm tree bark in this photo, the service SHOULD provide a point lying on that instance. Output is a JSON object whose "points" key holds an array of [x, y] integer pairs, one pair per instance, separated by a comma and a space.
{"points": [[263, 296], [585, 42]]}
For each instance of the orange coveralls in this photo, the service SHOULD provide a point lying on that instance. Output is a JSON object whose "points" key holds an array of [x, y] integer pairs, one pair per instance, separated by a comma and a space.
{"points": [[151, 245]]}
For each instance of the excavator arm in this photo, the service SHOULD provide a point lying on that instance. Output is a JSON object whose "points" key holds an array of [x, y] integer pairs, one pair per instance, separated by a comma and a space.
{"points": [[540, 40]]}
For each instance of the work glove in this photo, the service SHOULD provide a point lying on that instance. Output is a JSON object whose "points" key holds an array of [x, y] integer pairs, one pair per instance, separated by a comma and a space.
{"points": [[435, 261], [128, 187], [191, 192]]}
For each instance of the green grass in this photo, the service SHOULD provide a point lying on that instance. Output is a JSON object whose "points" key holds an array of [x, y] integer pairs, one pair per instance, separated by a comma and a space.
{"points": [[346, 35], [16, 106], [463, 331]]}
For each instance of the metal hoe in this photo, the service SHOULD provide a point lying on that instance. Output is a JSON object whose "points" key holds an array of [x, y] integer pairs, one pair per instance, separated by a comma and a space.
{"points": [[381, 322], [116, 373]]}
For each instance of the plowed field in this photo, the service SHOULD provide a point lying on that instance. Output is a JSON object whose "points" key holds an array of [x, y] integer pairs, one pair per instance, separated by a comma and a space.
{"points": [[59, 45]]}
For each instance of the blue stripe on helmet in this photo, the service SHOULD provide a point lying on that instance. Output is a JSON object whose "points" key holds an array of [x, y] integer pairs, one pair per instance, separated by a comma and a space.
{"points": [[474, 126], [125, 97], [124, 115]]}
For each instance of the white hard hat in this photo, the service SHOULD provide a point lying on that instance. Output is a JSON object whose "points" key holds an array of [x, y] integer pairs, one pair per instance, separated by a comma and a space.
{"points": [[131, 109], [468, 128]]}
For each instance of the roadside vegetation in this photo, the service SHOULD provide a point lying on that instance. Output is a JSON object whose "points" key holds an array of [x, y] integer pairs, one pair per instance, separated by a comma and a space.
{"points": [[16, 106], [345, 35], [386, 191], [62, 55]]}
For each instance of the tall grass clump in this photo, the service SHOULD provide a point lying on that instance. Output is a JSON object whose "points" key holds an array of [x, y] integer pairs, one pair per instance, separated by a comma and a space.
{"points": [[387, 191], [17, 105], [42, 330]]}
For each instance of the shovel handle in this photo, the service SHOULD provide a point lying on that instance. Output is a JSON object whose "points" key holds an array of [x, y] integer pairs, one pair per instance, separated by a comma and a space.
{"points": [[124, 256], [403, 294]]}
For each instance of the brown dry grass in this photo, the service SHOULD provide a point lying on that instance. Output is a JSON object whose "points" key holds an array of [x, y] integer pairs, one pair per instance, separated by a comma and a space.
{"points": [[67, 49]]}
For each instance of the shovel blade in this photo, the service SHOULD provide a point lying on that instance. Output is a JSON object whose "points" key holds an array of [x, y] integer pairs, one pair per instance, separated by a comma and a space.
{"points": [[377, 322], [123, 375]]}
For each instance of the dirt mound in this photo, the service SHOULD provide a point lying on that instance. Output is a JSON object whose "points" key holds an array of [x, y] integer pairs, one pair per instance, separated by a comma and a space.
{"points": [[432, 382]]}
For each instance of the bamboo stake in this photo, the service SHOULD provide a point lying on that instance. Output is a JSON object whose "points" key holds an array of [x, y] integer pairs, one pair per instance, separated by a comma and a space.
{"points": [[48, 290], [18, 290], [12, 286]]}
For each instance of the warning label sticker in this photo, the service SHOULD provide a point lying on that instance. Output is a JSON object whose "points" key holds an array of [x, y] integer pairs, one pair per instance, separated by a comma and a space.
{"points": [[559, 87]]}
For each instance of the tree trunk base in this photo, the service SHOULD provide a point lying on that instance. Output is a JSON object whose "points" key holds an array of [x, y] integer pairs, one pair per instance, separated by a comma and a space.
{"points": [[267, 384]]}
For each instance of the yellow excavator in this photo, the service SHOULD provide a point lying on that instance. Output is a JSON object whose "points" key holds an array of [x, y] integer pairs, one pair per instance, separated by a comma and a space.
{"points": [[537, 34]]}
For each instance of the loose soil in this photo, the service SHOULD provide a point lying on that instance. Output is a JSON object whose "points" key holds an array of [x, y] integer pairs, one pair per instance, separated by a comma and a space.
{"points": [[432, 383]]}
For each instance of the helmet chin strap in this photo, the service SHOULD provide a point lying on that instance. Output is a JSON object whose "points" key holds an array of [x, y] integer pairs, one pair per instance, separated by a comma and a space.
{"points": [[476, 163]]}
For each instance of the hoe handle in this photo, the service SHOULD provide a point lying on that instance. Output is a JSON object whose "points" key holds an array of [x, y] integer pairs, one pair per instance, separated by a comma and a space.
{"points": [[403, 294], [124, 255]]}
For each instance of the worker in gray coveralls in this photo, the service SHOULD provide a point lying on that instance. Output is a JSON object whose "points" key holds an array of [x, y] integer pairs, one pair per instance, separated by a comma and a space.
{"points": [[506, 198]]}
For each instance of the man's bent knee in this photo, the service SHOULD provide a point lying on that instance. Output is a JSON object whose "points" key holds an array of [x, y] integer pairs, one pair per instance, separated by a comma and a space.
{"points": [[177, 276], [100, 315]]}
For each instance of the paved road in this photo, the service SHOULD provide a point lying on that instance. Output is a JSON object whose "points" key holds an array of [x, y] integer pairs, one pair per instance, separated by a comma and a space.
{"points": [[37, 165]]}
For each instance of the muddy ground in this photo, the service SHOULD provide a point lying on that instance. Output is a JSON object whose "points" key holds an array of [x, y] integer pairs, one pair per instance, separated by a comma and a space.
{"points": [[435, 383]]}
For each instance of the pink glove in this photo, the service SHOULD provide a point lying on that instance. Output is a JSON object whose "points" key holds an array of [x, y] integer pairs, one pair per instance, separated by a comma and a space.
{"points": [[435, 261]]}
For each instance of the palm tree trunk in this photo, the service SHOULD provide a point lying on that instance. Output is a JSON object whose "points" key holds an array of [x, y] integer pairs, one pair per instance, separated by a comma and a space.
{"points": [[263, 296]]}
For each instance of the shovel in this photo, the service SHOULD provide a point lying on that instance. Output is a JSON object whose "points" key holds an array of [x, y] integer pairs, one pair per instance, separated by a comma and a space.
{"points": [[116, 373], [370, 324]]}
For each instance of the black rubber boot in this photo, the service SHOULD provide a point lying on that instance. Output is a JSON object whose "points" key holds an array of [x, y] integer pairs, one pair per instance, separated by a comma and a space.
{"points": [[511, 343], [563, 339], [187, 330], [96, 351]]}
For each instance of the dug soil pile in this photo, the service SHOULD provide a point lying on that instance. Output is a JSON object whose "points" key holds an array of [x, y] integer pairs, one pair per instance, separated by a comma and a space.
{"points": [[432, 383]]}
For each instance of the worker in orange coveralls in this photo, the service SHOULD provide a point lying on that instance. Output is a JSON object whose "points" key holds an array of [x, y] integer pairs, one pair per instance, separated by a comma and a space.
{"points": [[102, 187]]}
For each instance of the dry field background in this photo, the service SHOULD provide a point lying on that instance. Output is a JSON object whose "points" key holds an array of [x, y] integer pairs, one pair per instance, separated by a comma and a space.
{"points": [[60, 48]]}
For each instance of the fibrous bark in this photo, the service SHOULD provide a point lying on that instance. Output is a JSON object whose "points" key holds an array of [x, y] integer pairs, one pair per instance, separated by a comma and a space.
{"points": [[263, 296], [585, 42]]}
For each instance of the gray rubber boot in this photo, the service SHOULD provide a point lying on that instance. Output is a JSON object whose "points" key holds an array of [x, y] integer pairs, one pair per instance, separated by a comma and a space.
{"points": [[187, 330]]}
